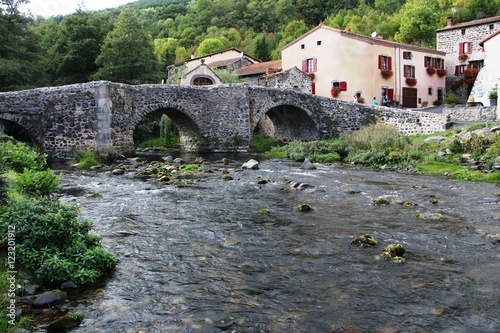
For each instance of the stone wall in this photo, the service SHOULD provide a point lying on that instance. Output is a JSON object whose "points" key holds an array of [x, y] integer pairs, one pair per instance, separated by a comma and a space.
{"points": [[472, 113], [411, 122]]}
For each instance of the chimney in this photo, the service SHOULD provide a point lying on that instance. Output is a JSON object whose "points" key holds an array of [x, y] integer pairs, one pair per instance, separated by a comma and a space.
{"points": [[450, 21], [192, 55]]}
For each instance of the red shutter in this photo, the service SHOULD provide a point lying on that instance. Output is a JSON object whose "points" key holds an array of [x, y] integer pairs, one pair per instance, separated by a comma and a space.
{"points": [[456, 70], [343, 86], [469, 47], [379, 62], [315, 64], [390, 94], [304, 65], [389, 62], [313, 88], [461, 48]]}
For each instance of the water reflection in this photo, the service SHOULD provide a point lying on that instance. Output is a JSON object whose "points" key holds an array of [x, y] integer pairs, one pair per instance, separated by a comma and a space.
{"points": [[206, 259]]}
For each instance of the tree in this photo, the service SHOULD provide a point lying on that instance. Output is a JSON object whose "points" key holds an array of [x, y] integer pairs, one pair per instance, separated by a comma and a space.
{"points": [[418, 25], [210, 45], [78, 46], [19, 60], [127, 53], [261, 48]]}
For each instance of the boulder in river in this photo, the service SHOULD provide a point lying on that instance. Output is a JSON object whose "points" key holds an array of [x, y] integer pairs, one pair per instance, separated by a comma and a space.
{"points": [[307, 165], [49, 299], [252, 164]]}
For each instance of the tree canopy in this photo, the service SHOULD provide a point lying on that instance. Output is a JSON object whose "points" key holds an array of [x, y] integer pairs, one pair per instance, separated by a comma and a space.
{"points": [[134, 43]]}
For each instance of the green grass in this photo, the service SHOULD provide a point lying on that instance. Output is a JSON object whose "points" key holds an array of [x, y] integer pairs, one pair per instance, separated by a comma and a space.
{"points": [[87, 159], [153, 142], [261, 144]]}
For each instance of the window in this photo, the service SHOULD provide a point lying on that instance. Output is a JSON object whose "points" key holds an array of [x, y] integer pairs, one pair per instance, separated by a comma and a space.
{"points": [[492, 27], [463, 31], [407, 55], [384, 62], [465, 48], [478, 64], [318, 43], [430, 91], [460, 69], [341, 85], [409, 71], [309, 65], [439, 63], [427, 61], [202, 81], [302, 46]]}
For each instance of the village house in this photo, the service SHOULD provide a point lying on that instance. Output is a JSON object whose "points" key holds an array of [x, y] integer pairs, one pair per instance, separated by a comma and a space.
{"points": [[344, 64], [465, 53], [488, 79], [230, 59]]}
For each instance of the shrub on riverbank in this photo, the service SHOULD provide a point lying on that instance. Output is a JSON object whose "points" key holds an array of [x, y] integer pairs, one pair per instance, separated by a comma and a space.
{"points": [[86, 159], [463, 153], [52, 243]]}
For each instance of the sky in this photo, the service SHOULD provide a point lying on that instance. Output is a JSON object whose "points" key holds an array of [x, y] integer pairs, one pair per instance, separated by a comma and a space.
{"points": [[48, 8]]}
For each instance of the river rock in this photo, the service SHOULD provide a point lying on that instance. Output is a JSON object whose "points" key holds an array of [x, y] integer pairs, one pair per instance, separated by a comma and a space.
{"points": [[118, 172], [168, 159], [69, 286], [49, 299], [307, 165], [434, 138], [31, 289], [252, 164]]}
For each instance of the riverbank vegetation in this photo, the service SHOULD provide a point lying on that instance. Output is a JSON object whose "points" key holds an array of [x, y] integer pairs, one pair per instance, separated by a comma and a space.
{"points": [[466, 152], [47, 241]]}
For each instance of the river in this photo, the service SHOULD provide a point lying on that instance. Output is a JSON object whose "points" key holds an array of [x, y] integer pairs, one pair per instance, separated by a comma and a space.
{"points": [[206, 257]]}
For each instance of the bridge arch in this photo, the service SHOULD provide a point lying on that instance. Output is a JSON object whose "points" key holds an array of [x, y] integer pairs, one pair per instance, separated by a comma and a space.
{"points": [[287, 122], [189, 132], [21, 129]]}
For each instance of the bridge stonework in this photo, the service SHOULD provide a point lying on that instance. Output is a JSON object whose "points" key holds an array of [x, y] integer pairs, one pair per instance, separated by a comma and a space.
{"points": [[102, 116]]}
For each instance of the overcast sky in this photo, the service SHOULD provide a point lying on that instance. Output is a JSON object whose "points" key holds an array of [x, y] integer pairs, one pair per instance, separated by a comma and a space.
{"points": [[63, 7]]}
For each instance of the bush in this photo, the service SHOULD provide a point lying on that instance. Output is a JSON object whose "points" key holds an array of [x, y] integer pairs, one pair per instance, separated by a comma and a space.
{"points": [[261, 143], [450, 98], [18, 155], [87, 159], [37, 183], [53, 244]]}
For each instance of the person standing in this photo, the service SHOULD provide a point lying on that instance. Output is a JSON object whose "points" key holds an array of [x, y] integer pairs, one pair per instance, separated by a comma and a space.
{"points": [[375, 103]]}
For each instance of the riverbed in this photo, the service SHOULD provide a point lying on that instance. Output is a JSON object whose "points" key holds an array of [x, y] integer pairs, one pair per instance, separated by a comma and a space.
{"points": [[238, 256]]}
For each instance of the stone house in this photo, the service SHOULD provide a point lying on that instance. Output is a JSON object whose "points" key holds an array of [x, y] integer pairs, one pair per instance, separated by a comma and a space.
{"points": [[345, 64], [230, 59], [251, 74], [461, 42]]}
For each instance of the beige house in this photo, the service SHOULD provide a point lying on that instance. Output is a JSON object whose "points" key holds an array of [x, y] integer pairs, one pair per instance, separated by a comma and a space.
{"points": [[344, 64], [201, 75], [230, 59]]}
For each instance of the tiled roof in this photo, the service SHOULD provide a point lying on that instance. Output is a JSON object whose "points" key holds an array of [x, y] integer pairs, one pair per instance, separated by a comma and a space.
{"points": [[367, 39], [260, 68], [471, 23], [221, 63]]}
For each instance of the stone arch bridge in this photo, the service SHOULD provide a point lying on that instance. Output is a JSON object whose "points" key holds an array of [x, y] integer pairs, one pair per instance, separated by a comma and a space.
{"points": [[102, 116]]}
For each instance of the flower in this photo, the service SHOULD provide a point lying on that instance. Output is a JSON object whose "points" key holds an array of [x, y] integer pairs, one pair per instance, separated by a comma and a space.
{"points": [[431, 70], [335, 92], [411, 81], [441, 72], [386, 73], [462, 57]]}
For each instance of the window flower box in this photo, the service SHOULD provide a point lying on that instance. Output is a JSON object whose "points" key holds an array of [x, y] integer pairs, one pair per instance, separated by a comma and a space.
{"points": [[386, 73], [441, 72], [335, 92], [431, 70], [411, 81], [463, 57]]}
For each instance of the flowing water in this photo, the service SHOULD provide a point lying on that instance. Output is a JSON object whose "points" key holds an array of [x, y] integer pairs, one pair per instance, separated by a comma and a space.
{"points": [[206, 258]]}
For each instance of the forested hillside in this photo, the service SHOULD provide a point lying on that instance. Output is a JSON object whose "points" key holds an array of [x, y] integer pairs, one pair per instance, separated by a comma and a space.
{"points": [[134, 43]]}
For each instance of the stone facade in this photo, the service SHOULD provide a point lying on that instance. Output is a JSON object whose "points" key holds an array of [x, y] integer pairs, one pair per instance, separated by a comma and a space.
{"points": [[464, 38], [294, 79], [102, 116], [472, 113]]}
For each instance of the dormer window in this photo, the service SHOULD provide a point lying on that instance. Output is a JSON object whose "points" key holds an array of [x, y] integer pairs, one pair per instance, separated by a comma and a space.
{"points": [[302, 46]]}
